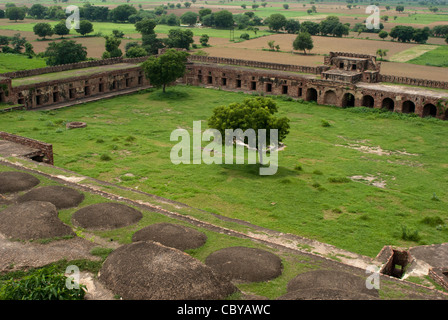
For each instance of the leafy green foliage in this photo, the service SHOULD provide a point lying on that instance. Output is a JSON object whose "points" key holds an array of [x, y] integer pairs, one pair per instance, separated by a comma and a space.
{"points": [[66, 51], [43, 284], [303, 42], [166, 68]]}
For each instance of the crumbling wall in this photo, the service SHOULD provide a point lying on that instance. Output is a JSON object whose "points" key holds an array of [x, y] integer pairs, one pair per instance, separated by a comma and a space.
{"points": [[71, 66], [45, 148]]}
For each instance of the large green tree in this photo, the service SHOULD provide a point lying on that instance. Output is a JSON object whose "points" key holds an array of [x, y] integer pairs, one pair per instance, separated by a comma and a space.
{"points": [[303, 42], [277, 21], [189, 18], [43, 29], [166, 68], [223, 19], [85, 27], [37, 11], [15, 13], [402, 33], [178, 38], [61, 29], [122, 12], [253, 113], [66, 51]]}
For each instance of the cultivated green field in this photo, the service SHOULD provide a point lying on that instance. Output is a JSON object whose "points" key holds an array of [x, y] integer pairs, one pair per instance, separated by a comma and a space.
{"points": [[105, 28], [437, 57], [15, 62], [368, 180]]}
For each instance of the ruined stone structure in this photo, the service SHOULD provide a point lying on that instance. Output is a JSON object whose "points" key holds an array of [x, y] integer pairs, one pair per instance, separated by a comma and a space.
{"points": [[69, 83], [344, 80]]}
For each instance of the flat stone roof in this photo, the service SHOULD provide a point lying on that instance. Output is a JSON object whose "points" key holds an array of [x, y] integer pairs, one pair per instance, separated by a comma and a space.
{"points": [[11, 149], [404, 89], [69, 74]]}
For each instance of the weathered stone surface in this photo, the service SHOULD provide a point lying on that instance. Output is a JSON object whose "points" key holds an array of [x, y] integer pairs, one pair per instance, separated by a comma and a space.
{"points": [[147, 270]]}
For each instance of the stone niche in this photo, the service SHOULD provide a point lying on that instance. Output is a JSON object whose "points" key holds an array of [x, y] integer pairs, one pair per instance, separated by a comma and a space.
{"points": [[394, 261]]}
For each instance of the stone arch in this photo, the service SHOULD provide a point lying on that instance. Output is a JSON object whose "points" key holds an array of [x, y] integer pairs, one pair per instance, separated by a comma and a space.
{"points": [[429, 110], [388, 104], [330, 98], [368, 101], [311, 94], [408, 107], [348, 100]]}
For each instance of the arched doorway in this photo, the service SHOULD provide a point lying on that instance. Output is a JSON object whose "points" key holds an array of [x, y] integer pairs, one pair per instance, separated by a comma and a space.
{"points": [[408, 107], [368, 101], [429, 110], [388, 104], [348, 100], [330, 98], [311, 94]]}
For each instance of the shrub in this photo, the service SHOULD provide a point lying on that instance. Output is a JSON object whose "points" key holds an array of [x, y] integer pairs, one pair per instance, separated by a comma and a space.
{"points": [[298, 167], [105, 157], [409, 235], [339, 180], [433, 221], [245, 36], [43, 284], [325, 123]]}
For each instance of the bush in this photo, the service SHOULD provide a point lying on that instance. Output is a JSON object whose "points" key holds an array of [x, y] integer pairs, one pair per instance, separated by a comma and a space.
{"points": [[325, 123], [105, 157], [409, 235], [339, 180], [245, 36], [433, 221], [43, 284]]}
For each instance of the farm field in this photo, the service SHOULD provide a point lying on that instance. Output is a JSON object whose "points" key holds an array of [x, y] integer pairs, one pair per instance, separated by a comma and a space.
{"points": [[325, 189], [13, 62]]}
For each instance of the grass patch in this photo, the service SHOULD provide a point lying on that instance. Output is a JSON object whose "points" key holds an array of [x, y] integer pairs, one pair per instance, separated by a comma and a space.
{"points": [[16, 62], [370, 216], [435, 58]]}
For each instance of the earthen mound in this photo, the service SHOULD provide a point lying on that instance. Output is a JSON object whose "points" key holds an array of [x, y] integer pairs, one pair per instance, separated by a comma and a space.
{"points": [[14, 181], [32, 220], [245, 264], [325, 294], [171, 235], [62, 197], [147, 270], [106, 216], [331, 279]]}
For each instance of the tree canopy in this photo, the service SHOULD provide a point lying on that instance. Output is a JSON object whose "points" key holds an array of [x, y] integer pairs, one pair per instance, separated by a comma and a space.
{"points": [[43, 29], [253, 113], [303, 42], [64, 52], [166, 68]]}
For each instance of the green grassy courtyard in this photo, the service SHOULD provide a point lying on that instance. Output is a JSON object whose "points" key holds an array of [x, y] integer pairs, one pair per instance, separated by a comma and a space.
{"points": [[367, 180]]}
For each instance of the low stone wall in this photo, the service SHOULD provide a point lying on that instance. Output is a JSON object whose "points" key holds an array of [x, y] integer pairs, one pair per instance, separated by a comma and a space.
{"points": [[258, 64], [47, 149], [71, 66], [414, 81], [439, 275]]}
